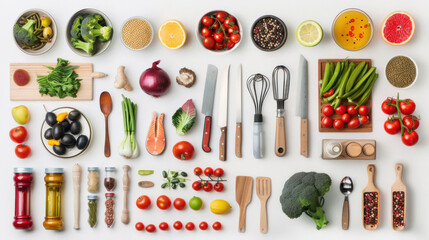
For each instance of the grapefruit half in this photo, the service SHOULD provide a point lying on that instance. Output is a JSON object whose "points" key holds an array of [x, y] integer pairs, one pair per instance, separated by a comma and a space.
{"points": [[398, 28]]}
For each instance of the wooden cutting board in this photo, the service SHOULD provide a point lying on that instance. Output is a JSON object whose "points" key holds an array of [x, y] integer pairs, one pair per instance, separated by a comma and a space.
{"points": [[30, 92]]}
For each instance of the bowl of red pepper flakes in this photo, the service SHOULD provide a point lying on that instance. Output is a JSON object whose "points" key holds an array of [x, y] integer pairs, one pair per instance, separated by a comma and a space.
{"points": [[268, 33]]}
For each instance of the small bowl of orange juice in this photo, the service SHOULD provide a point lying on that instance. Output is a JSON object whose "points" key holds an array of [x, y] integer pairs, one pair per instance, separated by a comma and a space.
{"points": [[352, 29]]}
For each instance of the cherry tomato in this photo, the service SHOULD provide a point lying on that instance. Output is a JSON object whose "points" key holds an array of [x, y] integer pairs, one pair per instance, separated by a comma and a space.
{"points": [[340, 110], [215, 25], [218, 172], [407, 106], [219, 37], [207, 21], [207, 187], [351, 110], [139, 226], [387, 108], [363, 110], [218, 187], [233, 29], [392, 126], [190, 226], [229, 23], [163, 202], [209, 42], [411, 122], [198, 171], [217, 226], [222, 16], [206, 32], [354, 123], [177, 225], [150, 228], [143, 202], [183, 150], [364, 119], [197, 185], [203, 226], [18, 134], [345, 118], [235, 37], [230, 44], [232, 18], [179, 203], [328, 110], [163, 226], [327, 122], [22, 151], [410, 139], [208, 171], [219, 46], [338, 124]]}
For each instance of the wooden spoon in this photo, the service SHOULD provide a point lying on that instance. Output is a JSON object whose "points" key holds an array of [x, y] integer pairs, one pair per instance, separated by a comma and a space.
{"points": [[371, 188], [243, 196], [106, 109], [399, 187]]}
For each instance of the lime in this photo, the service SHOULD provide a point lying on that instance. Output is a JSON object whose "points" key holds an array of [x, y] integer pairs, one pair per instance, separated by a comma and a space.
{"points": [[196, 203], [309, 33]]}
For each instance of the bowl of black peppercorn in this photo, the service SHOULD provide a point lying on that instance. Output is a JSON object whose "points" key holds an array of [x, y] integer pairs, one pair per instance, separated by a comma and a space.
{"points": [[268, 33]]}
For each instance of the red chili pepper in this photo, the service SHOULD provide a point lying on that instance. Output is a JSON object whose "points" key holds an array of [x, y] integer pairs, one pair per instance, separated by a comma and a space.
{"points": [[329, 93]]}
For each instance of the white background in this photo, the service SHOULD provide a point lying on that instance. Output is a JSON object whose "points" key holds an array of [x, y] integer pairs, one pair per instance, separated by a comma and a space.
{"points": [[390, 149]]}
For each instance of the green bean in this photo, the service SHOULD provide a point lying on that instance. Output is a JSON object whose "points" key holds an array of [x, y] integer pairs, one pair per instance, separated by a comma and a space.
{"points": [[360, 82], [325, 77], [354, 75], [334, 77], [372, 78]]}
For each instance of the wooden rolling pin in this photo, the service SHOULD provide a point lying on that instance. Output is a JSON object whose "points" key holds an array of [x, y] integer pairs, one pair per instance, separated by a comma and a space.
{"points": [[125, 218], [76, 172]]}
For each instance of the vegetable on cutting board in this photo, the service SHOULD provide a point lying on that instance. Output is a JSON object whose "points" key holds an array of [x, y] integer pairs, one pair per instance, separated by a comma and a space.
{"points": [[303, 193], [184, 118], [128, 147], [155, 141], [121, 80]]}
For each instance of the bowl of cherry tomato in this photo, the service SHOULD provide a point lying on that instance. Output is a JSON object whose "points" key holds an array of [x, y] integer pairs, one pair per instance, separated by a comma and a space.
{"points": [[219, 31]]}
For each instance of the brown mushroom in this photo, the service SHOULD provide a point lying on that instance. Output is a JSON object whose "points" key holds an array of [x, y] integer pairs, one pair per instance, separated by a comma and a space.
{"points": [[186, 77]]}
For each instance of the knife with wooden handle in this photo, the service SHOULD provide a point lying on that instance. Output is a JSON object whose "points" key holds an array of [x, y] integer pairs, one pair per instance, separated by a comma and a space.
{"points": [[207, 109], [238, 112], [302, 104], [223, 112]]}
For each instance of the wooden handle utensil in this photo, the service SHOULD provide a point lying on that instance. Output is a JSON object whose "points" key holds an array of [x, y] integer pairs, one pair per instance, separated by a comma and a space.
{"points": [[77, 173], [238, 139], [280, 145], [125, 218], [399, 190]]}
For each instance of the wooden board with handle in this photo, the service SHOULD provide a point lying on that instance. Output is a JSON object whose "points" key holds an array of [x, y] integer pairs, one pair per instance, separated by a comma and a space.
{"points": [[398, 187], [30, 92]]}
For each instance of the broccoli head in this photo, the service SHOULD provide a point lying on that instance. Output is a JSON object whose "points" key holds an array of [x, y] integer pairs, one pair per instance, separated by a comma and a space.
{"points": [[92, 29], [303, 192], [88, 47], [103, 34], [25, 33], [75, 31]]}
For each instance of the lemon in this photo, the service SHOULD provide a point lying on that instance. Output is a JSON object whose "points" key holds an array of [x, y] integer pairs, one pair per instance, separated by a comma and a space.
{"points": [[172, 34], [220, 206], [309, 33]]}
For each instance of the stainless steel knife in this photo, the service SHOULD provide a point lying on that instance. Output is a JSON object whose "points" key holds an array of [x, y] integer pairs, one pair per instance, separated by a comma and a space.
{"points": [[238, 111], [302, 104], [223, 112], [208, 99]]}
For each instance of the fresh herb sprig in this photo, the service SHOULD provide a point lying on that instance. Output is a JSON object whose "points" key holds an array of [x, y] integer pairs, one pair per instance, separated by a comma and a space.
{"points": [[174, 179]]}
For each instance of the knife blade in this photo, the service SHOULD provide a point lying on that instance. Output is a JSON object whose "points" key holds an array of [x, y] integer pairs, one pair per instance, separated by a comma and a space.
{"points": [[223, 112], [238, 112], [302, 104], [207, 108]]}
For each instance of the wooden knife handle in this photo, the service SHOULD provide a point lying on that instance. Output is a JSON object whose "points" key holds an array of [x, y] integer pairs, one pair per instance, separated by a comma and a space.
{"points": [[238, 139], [222, 144], [106, 138], [345, 221], [304, 137], [206, 134], [280, 145]]}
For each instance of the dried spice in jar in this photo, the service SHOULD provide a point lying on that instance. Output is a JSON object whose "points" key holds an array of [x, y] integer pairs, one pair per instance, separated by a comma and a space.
{"points": [[109, 216], [401, 71], [269, 33], [109, 180], [398, 209], [93, 179], [92, 210], [370, 210]]}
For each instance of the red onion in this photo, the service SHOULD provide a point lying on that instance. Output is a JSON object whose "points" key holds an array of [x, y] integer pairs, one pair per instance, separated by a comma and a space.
{"points": [[155, 81]]}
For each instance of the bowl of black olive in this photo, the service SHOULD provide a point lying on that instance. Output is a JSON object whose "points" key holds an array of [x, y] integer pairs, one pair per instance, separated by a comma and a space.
{"points": [[66, 132]]}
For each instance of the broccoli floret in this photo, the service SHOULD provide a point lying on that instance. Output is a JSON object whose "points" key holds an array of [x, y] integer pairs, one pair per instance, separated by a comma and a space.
{"points": [[92, 29], [103, 34], [88, 47], [75, 31], [303, 192], [25, 33]]}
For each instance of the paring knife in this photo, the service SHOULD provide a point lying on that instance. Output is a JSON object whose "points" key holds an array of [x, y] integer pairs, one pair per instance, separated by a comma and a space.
{"points": [[223, 112], [238, 112], [207, 109], [302, 104]]}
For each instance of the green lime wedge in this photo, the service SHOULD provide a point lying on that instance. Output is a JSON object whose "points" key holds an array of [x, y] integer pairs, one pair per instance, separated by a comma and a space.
{"points": [[309, 33]]}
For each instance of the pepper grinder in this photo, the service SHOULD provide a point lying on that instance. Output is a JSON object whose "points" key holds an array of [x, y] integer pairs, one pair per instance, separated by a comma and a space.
{"points": [[76, 172], [125, 218]]}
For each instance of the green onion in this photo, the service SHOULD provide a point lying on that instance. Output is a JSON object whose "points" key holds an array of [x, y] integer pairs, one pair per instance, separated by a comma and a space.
{"points": [[129, 147]]}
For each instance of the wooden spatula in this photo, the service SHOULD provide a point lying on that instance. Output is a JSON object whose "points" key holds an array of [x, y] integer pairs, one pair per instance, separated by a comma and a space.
{"points": [[243, 196], [373, 205], [399, 190], [263, 190]]}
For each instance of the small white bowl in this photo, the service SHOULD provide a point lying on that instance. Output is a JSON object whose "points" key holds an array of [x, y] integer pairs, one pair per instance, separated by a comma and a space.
{"points": [[151, 37], [417, 71]]}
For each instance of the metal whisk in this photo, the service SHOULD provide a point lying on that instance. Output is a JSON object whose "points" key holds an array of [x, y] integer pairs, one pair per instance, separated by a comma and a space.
{"points": [[258, 86], [281, 80]]}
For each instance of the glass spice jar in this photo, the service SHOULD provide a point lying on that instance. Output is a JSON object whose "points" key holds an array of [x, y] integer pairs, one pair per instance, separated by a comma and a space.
{"points": [[110, 213], [93, 177], [109, 180], [92, 210], [23, 178], [54, 180]]}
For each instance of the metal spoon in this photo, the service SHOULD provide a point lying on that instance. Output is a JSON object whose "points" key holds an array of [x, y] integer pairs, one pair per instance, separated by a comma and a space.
{"points": [[346, 188], [106, 109]]}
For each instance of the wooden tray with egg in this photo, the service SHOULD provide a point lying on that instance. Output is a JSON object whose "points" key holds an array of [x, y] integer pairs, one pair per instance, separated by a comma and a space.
{"points": [[352, 149], [364, 128]]}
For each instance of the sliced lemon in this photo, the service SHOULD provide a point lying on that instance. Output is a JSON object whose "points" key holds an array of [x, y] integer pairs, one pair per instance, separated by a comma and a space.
{"points": [[172, 34], [309, 33]]}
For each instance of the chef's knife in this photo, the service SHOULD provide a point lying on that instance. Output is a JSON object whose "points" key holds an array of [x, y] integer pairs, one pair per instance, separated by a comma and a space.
{"points": [[238, 127], [223, 112], [207, 109], [302, 104]]}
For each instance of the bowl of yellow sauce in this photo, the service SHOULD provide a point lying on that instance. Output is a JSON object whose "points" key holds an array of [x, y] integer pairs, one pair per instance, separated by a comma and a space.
{"points": [[352, 29]]}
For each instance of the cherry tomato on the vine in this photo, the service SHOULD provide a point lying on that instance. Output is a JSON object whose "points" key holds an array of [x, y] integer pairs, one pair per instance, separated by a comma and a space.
{"points": [[218, 187], [206, 32], [197, 185], [235, 37], [388, 106], [392, 126], [219, 37], [222, 16], [407, 106], [198, 171], [411, 122], [218, 172], [207, 21], [208, 171], [207, 187], [411, 138], [209, 42]]}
